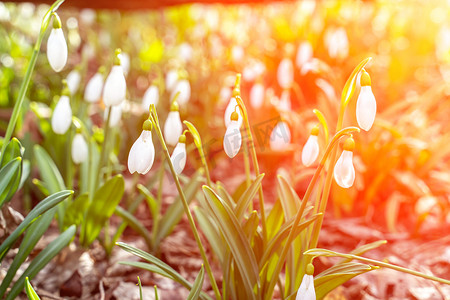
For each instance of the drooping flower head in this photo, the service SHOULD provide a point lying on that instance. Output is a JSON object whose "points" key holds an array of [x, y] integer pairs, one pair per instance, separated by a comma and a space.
{"points": [[183, 87], [366, 106], [280, 138], [173, 126], [344, 172], [232, 140], [62, 114], [142, 153], [257, 95], [285, 73], [56, 46], [306, 290], [115, 88], [151, 96], [178, 156], [311, 149], [94, 87], [73, 80], [79, 148]]}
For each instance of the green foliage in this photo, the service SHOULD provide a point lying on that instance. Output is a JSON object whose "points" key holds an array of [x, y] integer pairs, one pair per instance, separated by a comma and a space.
{"points": [[32, 295]]}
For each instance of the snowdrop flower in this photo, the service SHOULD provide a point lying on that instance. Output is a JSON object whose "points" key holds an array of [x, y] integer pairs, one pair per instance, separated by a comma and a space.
{"points": [[232, 140], [304, 54], [94, 87], [173, 127], [79, 149], [285, 73], [115, 87], [311, 149], [184, 88], [280, 138], [285, 101], [62, 114], [344, 172], [178, 157], [185, 52], [171, 79], [125, 62], [229, 110], [142, 153], [366, 106], [73, 81], [237, 54], [57, 46], [336, 41], [306, 290], [257, 95], [151, 96]]}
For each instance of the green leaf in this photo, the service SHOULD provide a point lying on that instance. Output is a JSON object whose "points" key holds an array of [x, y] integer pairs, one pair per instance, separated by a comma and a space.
{"points": [[225, 195], [39, 209], [140, 288], [135, 224], [236, 240], [197, 287], [349, 87], [9, 179], [274, 220], [364, 248], [251, 224], [50, 174], [288, 197], [32, 295], [42, 259], [151, 201], [13, 150], [247, 196], [26, 169], [211, 232], [158, 266], [103, 205], [76, 210], [195, 134], [175, 211]]}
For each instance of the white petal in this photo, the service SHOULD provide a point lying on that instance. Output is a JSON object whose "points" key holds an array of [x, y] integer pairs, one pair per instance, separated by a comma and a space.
{"points": [[178, 157], [62, 116], [344, 172], [306, 290], [304, 54], [173, 128], [285, 101], [171, 79], [94, 87], [115, 88], [125, 62], [142, 154], [310, 151], [73, 81], [285, 73], [280, 138], [79, 149], [185, 52], [232, 140], [237, 53], [57, 49], [257, 95], [366, 108], [184, 88], [229, 110], [116, 115], [151, 96]]}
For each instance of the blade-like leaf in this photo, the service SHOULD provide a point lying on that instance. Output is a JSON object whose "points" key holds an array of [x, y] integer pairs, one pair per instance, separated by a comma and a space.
{"points": [[251, 224], [135, 224], [50, 174], [76, 210], [140, 288], [13, 150], [211, 232], [236, 240], [9, 179], [247, 196], [197, 287], [288, 197], [39, 209], [104, 202], [42, 259], [32, 295], [274, 220], [152, 202]]}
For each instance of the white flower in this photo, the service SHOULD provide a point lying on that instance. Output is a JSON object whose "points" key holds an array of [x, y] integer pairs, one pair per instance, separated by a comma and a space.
{"points": [[336, 41], [79, 149], [366, 106], [285, 73], [229, 110], [142, 154], [57, 49], [310, 150], [94, 87], [184, 88], [304, 54], [285, 101], [306, 290], [62, 115], [73, 81], [151, 96], [237, 54], [185, 52], [178, 157], [171, 79], [232, 140], [173, 128], [125, 62], [280, 138], [116, 115], [344, 172], [115, 88], [257, 95]]}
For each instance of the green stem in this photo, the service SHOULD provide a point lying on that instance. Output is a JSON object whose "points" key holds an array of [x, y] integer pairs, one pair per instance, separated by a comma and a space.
{"points": [[380, 264], [155, 122], [26, 80], [156, 215], [305, 200], [104, 151]]}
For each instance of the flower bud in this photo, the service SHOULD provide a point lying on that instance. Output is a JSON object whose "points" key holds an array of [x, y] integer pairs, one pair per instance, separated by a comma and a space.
{"points": [[62, 114], [79, 149], [311, 149], [285, 101], [280, 138], [94, 88], [304, 54], [232, 140], [142, 154], [257, 95], [73, 81], [173, 127], [115, 88], [171, 80], [366, 106], [344, 172], [178, 157], [184, 88], [285, 73], [57, 46], [151, 96]]}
